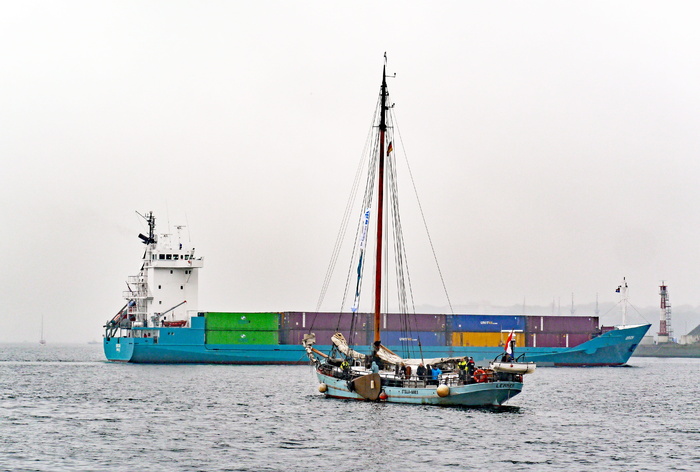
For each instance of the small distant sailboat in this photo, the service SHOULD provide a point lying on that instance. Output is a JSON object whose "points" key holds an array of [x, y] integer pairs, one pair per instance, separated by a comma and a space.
{"points": [[42, 340], [382, 375]]}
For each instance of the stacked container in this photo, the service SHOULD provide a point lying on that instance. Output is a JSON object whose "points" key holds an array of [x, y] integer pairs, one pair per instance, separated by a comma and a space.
{"points": [[399, 331], [295, 324], [484, 339], [396, 330], [241, 328], [485, 330], [560, 331]]}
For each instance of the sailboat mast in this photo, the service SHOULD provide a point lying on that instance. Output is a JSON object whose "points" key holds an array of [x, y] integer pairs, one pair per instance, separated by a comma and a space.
{"points": [[380, 215]]}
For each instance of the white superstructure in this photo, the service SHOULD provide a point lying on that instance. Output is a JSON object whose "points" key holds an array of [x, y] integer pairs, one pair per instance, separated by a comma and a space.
{"points": [[165, 289]]}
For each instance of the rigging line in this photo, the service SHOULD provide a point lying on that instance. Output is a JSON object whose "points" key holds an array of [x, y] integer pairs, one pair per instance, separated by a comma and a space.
{"points": [[400, 258], [425, 223], [366, 203], [402, 254], [340, 237], [611, 309], [371, 148], [345, 221], [642, 316]]}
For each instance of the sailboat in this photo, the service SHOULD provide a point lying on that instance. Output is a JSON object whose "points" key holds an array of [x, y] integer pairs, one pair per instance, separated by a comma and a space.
{"points": [[42, 340], [382, 375]]}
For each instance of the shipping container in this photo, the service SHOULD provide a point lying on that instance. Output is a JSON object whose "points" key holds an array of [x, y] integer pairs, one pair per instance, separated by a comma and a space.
{"points": [[419, 322], [323, 336], [242, 321], [578, 338], [548, 340], [561, 324], [315, 320], [401, 338], [223, 336], [485, 323], [484, 339]]}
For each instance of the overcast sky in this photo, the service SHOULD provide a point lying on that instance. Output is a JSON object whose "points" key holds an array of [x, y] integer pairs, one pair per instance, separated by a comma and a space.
{"points": [[554, 146]]}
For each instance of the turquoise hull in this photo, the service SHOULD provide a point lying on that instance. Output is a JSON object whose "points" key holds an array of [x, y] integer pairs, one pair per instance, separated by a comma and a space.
{"points": [[187, 345], [473, 395]]}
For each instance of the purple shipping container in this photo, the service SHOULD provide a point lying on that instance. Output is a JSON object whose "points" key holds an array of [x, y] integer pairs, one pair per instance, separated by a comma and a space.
{"points": [[546, 340], [323, 321], [556, 339], [485, 323], [578, 338], [323, 336], [400, 338], [418, 322], [561, 324]]}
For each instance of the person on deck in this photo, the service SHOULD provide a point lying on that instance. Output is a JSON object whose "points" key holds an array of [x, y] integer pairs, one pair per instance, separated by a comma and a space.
{"points": [[428, 374], [407, 375], [345, 367], [374, 368], [462, 365], [471, 367], [420, 371], [436, 375]]}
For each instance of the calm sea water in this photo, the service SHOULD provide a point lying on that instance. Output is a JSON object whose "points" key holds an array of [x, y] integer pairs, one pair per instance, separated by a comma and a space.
{"points": [[66, 408]]}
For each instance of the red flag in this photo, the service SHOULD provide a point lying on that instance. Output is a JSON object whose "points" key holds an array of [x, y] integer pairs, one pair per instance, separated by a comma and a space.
{"points": [[509, 347], [391, 148]]}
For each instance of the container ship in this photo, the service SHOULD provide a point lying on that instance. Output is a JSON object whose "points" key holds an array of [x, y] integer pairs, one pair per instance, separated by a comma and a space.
{"points": [[160, 323]]}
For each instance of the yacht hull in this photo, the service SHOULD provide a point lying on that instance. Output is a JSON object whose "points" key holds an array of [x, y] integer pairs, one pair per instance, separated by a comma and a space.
{"points": [[471, 395]]}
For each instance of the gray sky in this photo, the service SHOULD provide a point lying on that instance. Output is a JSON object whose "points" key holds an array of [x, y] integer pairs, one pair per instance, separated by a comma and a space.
{"points": [[554, 146]]}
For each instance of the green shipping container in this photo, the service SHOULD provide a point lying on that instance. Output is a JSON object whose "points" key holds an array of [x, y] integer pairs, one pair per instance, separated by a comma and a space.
{"points": [[241, 337], [242, 321]]}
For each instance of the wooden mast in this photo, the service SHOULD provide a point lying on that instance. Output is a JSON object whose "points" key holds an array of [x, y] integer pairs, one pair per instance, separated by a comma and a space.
{"points": [[380, 215]]}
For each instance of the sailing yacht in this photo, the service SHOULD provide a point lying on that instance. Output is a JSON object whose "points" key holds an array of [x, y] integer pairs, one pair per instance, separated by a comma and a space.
{"points": [[382, 375], [42, 340]]}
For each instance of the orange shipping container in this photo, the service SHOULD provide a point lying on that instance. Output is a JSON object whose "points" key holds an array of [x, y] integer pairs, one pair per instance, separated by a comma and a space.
{"points": [[477, 339]]}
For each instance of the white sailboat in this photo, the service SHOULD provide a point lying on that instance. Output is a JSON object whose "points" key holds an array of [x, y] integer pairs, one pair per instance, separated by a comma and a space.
{"points": [[42, 340], [382, 375]]}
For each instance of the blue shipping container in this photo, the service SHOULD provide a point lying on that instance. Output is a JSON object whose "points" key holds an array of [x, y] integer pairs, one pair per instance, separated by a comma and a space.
{"points": [[485, 323]]}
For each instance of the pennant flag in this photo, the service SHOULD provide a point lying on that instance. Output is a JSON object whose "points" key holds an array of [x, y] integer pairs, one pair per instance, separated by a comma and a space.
{"points": [[389, 149], [618, 289]]}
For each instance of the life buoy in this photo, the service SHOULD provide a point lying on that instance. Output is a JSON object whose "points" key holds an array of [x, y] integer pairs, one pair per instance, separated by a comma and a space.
{"points": [[480, 376]]}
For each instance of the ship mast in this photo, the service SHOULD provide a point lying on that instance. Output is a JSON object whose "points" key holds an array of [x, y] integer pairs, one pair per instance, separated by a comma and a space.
{"points": [[380, 213], [624, 300]]}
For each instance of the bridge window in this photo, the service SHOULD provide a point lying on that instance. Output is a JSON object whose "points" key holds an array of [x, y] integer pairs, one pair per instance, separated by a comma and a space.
{"points": [[161, 256], [176, 257], [168, 257]]}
